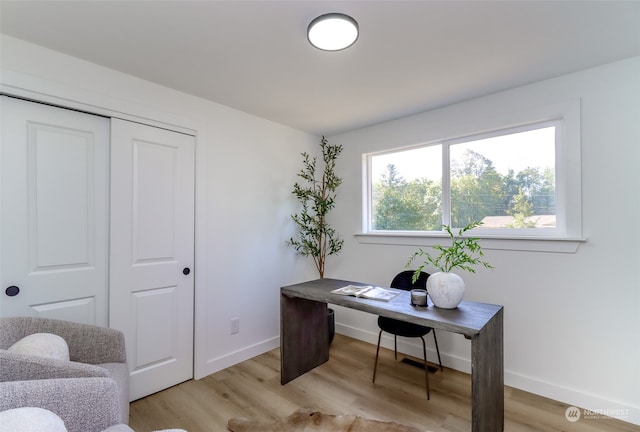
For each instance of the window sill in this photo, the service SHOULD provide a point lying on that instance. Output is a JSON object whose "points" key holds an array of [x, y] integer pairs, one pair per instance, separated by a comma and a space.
{"points": [[530, 244]]}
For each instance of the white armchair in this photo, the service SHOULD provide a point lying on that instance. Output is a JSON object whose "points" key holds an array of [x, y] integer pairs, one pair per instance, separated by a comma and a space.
{"points": [[83, 404], [94, 352]]}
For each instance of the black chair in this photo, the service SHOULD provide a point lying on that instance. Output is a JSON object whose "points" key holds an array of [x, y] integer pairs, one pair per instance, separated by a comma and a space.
{"points": [[406, 329]]}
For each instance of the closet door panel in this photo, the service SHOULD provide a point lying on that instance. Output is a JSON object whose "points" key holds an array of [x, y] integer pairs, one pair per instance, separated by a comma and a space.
{"points": [[152, 252], [54, 212]]}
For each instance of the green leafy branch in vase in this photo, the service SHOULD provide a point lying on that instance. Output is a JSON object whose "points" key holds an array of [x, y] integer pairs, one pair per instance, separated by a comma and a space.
{"points": [[464, 253]]}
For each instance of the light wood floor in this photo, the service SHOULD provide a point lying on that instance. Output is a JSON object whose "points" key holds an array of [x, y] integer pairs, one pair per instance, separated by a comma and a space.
{"points": [[343, 386]]}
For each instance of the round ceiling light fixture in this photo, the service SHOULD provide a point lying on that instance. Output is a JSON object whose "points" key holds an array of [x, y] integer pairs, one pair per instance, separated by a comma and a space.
{"points": [[332, 32]]}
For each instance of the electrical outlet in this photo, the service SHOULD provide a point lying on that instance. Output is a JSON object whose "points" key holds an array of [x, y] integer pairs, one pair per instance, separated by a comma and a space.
{"points": [[235, 325]]}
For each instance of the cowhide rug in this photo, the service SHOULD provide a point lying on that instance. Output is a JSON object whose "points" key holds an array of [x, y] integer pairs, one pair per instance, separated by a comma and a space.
{"points": [[307, 420]]}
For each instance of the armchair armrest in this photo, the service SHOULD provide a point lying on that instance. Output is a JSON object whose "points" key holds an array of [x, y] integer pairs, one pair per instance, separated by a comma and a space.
{"points": [[84, 404], [26, 367], [87, 343]]}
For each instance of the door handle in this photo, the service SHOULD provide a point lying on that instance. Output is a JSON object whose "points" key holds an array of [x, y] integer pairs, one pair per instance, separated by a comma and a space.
{"points": [[186, 271], [12, 291]]}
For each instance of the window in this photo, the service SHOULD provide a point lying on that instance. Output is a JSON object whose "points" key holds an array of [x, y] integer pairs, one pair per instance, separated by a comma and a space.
{"points": [[511, 179]]}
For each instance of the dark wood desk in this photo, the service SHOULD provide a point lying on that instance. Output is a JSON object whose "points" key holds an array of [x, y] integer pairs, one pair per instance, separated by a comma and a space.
{"points": [[304, 338]]}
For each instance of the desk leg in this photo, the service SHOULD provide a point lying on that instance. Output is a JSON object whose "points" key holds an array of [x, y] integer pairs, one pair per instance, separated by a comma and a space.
{"points": [[304, 336], [487, 377]]}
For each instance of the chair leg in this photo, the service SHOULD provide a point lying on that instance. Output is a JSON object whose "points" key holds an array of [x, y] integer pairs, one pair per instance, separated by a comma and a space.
{"points": [[435, 339], [426, 368], [375, 365], [395, 347]]}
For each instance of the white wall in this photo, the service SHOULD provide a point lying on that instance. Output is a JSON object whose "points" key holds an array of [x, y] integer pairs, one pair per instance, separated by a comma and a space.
{"points": [[572, 320], [245, 167]]}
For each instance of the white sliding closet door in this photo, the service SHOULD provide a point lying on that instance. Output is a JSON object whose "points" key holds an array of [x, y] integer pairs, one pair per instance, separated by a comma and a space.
{"points": [[54, 212], [152, 252]]}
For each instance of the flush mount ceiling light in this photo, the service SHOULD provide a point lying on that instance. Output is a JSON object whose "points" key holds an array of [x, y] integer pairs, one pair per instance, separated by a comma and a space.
{"points": [[332, 32]]}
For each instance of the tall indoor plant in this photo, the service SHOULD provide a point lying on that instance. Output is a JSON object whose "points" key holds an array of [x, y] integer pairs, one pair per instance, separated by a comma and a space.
{"points": [[445, 288], [316, 238]]}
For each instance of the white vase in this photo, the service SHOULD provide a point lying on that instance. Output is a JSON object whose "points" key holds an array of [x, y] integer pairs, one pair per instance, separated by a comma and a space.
{"points": [[445, 289]]}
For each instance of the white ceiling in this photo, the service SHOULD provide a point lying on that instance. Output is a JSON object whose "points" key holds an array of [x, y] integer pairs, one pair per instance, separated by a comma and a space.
{"points": [[411, 55]]}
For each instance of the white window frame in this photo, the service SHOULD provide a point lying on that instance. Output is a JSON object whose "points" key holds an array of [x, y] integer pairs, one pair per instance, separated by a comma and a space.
{"points": [[567, 235]]}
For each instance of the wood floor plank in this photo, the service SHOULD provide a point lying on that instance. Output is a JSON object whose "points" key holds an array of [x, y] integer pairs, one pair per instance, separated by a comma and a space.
{"points": [[344, 385]]}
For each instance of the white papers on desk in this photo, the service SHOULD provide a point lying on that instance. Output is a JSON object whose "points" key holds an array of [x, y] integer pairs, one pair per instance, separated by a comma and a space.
{"points": [[368, 292]]}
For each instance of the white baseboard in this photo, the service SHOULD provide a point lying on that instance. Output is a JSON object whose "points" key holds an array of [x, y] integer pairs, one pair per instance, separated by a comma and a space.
{"points": [[219, 363], [592, 407], [405, 347]]}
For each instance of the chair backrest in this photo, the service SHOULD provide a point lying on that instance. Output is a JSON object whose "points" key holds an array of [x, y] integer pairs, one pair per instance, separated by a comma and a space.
{"points": [[403, 280]]}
